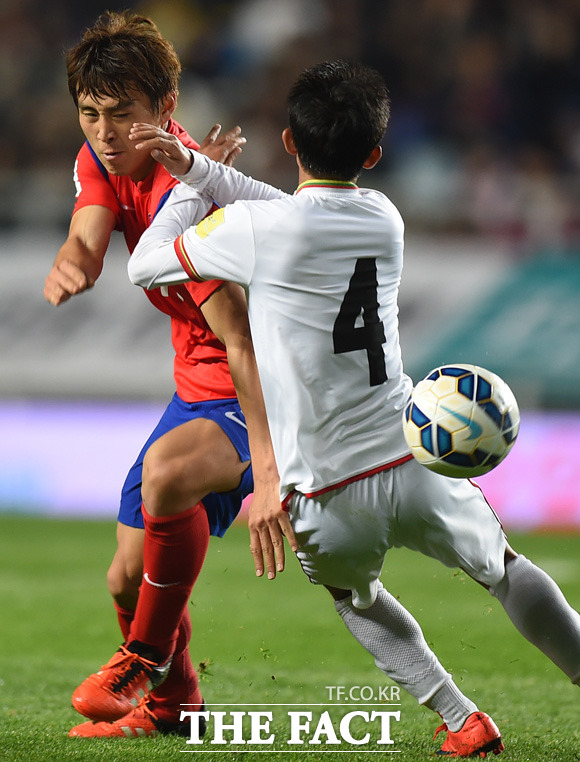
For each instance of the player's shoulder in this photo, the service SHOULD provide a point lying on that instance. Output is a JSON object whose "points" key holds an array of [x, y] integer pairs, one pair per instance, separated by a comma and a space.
{"points": [[268, 207], [87, 161], [383, 206], [377, 197]]}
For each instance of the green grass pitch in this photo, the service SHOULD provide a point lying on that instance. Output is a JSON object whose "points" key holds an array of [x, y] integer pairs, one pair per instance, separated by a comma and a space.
{"points": [[268, 643]]}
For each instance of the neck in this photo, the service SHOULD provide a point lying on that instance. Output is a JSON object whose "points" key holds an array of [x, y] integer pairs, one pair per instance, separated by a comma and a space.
{"points": [[306, 177]]}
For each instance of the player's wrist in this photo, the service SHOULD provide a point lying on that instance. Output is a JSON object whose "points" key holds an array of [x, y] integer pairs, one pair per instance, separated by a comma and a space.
{"points": [[198, 168]]}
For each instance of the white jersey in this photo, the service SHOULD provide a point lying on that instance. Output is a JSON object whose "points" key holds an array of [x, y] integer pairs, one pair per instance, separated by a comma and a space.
{"points": [[322, 269]]}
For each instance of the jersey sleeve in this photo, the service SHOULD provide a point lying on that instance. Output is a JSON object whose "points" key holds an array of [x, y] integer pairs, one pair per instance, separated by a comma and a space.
{"points": [[225, 184], [220, 246], [200, 291], [92, 184], [170, 251]]}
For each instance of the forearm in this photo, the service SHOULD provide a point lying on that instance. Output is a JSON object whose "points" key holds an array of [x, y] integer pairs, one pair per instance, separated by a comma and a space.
{"points": [[246, 380], [226, 314], [225, 184], [88, 240], [89, 261], [154, 262], [268, 522], [79, 261]]}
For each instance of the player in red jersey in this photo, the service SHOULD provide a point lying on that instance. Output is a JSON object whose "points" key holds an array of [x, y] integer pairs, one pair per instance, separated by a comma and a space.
{"points": [[193, 472]]}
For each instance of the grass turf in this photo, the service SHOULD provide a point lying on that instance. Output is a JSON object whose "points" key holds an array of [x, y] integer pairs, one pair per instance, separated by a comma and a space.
{"points": [[269, 643]]}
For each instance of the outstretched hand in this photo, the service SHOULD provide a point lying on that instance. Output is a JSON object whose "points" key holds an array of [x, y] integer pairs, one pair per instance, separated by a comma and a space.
{"points": [[223, 148], [269, 523], [169, 151]]}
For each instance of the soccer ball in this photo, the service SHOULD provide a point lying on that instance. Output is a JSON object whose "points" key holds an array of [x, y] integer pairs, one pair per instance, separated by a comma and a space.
{"points": [[461, 420]]}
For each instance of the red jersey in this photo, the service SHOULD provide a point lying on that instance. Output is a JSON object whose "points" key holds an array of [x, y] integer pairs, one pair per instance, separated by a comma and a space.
{"points": [[200, 367]]}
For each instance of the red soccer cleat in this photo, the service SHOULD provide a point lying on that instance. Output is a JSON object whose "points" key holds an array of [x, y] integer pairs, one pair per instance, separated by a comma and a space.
{"points": [[117, 688], [140, 722], [477, 737]]}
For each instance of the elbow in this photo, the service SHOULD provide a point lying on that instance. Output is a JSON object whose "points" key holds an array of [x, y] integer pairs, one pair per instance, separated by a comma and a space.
{"points": [[137, 273]]}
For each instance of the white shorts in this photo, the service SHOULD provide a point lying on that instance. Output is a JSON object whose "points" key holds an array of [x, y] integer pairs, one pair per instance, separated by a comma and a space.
{"points": [[344, 534]]}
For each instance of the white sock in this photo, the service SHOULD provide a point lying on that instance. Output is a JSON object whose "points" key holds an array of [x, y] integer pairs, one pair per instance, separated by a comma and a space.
{"points": [[452, 705], [537, 607], [389, 632]]}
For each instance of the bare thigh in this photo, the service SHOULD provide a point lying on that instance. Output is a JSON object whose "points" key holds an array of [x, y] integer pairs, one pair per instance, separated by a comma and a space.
{"points": [[186, 464]]}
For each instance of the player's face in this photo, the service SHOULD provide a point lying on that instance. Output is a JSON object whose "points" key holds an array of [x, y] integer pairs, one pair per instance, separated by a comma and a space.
{"points": [[106, 123]]}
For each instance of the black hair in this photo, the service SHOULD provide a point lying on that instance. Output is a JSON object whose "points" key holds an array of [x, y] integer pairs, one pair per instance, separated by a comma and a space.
{"points": [[337, 113]]}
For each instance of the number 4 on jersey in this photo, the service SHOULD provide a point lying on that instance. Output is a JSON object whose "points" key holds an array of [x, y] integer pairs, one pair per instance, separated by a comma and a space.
{"points": [[361, 297]]}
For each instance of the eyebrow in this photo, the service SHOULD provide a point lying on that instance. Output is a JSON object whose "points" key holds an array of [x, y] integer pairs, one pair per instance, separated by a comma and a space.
{"points": [[117, 107]]}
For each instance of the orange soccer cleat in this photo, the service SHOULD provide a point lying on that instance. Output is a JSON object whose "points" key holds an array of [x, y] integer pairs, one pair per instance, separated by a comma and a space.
{"points": [[140, 722], [118, 686], [477, 737]]}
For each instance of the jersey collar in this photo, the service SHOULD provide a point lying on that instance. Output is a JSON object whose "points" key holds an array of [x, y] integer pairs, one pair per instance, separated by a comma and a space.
{"points": [[334, 184]]}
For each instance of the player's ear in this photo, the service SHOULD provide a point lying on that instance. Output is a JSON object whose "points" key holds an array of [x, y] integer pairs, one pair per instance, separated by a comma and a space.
{"points": [[374, 158], [169, 106], [288, 141]]}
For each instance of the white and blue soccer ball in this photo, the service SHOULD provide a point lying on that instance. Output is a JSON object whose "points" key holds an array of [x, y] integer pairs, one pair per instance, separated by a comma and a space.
{"points": [[461, 420]]}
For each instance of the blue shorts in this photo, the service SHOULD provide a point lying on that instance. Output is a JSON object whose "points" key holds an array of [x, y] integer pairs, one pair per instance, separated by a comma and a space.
{"points": [[221, 507]]}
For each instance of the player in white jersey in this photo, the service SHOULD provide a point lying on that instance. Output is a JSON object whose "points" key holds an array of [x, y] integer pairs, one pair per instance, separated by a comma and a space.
{"points": [[343, 380], [322, 270]]}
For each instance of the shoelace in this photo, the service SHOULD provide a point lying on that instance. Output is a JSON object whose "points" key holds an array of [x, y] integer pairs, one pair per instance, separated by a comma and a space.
{"points": [[144, 710], [130, 666], [439, 730]]}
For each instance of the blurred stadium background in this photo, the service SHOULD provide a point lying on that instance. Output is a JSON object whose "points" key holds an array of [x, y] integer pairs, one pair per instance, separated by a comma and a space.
{"points": [[482, 157]]}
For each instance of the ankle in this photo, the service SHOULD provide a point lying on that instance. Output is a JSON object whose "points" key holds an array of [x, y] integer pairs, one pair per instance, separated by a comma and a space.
{"points": [[145, 651]]}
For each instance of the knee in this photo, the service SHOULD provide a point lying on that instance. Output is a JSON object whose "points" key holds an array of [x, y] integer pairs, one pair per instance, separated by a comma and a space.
{"points": [[338, 593], [123, 581], [510, 555], [161, 477], [497, 585]]}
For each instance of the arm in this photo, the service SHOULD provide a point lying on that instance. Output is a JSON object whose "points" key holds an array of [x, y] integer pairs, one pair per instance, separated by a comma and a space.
{"points": [[223, 183], [222, 246], [226, 314], [79, 261], [154, 262]]}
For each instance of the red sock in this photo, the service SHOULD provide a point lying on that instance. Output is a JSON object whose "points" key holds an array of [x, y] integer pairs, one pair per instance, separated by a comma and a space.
{"points": [[125, 618], [181, 685], [173, 554]]}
